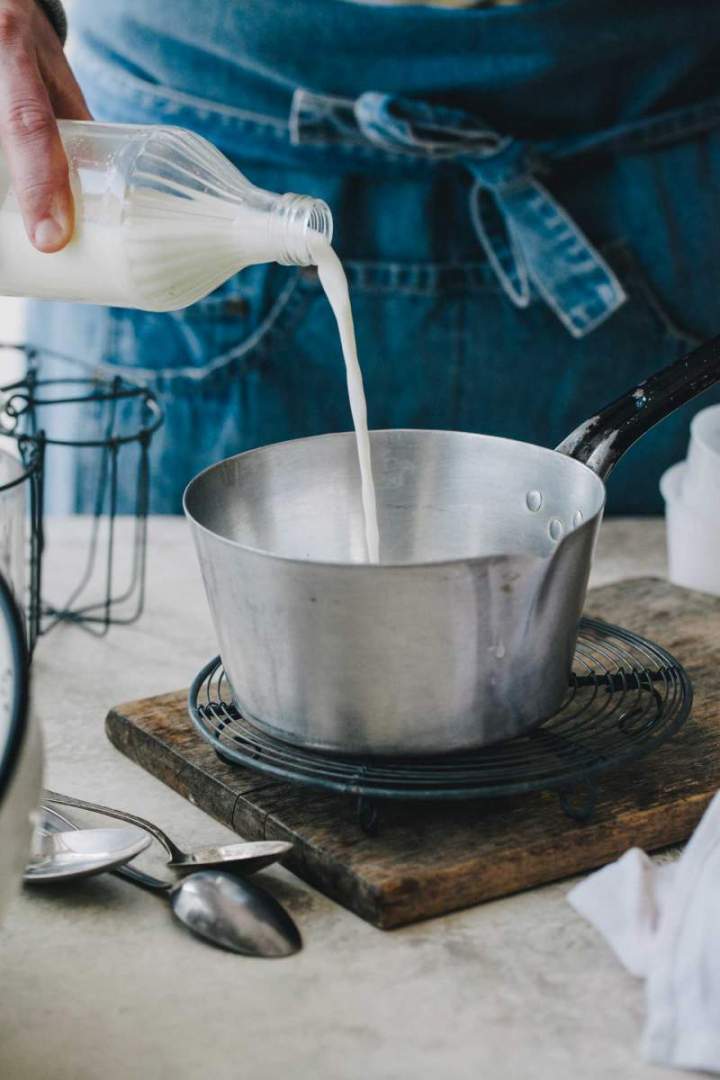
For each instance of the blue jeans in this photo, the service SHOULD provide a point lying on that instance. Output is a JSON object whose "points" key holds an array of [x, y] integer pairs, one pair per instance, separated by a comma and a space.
{"points": [[526, 199]]}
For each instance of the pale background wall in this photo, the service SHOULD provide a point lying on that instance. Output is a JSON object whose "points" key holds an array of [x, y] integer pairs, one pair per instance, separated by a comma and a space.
{"points": [[11, 332]]}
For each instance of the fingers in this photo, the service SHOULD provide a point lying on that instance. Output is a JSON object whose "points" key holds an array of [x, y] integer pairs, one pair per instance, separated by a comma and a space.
{"points": [[66, 96], [31, 143]]}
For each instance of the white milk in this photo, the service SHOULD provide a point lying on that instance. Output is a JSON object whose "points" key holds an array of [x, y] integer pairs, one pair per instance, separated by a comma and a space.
{"points": [[334, 282]]}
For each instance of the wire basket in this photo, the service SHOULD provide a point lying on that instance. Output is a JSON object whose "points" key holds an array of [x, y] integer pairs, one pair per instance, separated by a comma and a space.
{"points": [[91, 434]]}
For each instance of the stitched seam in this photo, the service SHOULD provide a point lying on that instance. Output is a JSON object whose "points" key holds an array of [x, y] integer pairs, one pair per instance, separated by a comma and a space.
{"points": [[131, 84], [659, 130], [435, 278]]}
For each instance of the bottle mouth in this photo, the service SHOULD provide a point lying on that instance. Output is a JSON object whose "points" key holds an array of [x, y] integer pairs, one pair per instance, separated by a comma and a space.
{"points": [[305, 220]]}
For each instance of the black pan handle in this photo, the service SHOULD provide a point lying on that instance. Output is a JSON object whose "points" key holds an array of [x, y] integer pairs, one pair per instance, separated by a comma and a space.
{"points": [[602, 440]]}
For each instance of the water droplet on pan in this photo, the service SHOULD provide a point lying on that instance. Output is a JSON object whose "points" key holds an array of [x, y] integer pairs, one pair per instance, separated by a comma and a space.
{"points": [[555, 528], [534, 500], [577, 519]]}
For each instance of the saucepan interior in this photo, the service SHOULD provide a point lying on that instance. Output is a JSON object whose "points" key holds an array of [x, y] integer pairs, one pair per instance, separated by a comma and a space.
{"points": [[441, 496]]}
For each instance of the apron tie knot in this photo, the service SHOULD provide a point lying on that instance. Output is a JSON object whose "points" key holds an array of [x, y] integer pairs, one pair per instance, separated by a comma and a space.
{"points": [[530, 241]]}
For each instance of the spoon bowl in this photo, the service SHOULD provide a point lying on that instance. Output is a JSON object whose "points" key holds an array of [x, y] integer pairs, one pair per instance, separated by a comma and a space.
{"points": [[244, 857], [234, 914], [64, 856]]}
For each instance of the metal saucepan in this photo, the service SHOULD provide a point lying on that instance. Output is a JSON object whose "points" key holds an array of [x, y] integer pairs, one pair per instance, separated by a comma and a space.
{"points": [[465, 633]]}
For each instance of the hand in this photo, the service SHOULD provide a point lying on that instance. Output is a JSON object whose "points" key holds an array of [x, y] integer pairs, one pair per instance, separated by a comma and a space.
{"points": [[37, 85]]}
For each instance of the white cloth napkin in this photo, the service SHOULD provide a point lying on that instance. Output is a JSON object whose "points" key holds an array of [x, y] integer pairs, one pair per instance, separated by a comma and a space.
{"points": [[663, 923]]}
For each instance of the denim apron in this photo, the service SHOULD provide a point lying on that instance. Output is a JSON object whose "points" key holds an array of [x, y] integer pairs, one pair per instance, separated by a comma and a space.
{"points": [[526, 199]]}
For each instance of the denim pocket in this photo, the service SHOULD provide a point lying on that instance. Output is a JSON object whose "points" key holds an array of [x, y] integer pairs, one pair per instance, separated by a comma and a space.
{"points": [[220, 335], [198, 361]]}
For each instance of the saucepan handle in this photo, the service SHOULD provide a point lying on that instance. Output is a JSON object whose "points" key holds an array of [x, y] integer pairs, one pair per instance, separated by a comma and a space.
{"points": [[601, 441]]}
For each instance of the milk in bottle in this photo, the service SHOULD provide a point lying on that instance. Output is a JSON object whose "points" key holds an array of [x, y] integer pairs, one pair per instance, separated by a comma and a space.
{"points": [[161, 219]]}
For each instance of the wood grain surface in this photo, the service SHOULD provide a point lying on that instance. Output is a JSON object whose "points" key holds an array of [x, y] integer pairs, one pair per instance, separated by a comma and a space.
{"points": [[428, 859]]}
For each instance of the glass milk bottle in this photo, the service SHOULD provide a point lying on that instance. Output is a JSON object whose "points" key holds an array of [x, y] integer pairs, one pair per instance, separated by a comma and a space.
{"points": [[161, 219]]}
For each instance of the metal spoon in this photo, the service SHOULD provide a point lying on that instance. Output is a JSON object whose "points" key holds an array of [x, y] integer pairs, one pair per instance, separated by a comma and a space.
{"points": [[245, 857], [62, 856], [218, 907]]}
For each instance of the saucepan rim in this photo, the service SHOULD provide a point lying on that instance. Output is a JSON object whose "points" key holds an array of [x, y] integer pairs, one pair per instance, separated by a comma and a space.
{"points": [[366, 567]]}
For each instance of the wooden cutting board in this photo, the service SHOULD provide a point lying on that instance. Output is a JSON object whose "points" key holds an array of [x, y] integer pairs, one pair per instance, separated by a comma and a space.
{"points": [[427, 859]]}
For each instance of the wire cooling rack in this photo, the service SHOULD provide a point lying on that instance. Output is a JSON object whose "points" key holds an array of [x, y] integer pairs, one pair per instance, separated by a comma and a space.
{"points": [[626, 697]]}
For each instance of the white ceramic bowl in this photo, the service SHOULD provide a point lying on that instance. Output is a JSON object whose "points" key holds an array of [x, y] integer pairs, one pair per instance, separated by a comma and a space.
{"points": [[693, 536], [701, 481]]}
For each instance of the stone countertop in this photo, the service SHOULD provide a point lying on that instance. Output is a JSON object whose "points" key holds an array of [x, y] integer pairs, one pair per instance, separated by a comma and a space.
{"points": [[98, 983]]}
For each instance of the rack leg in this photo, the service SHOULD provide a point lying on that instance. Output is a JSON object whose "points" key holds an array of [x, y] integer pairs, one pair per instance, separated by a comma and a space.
{"points": [[224, 758], [367, 815]]}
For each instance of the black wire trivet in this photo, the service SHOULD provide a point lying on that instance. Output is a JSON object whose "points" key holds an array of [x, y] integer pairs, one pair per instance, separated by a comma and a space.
{"points": [[626, 697]]}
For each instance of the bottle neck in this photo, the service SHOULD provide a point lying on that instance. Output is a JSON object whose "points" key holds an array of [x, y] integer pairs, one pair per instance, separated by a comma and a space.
{"points": [[299, 221]]}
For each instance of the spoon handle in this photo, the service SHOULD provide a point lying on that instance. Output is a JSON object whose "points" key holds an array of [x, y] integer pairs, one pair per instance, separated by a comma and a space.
{"points": [[145, 881], [122, 815], [129, 873]]}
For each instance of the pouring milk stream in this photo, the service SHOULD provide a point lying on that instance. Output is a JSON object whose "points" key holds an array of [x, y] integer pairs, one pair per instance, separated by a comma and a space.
{"points": [[334, 282], [162, 219]]}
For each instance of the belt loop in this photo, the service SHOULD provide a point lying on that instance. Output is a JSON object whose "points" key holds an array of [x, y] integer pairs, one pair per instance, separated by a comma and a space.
{"points": [[322, 119]]}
